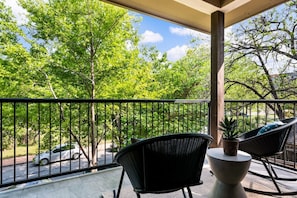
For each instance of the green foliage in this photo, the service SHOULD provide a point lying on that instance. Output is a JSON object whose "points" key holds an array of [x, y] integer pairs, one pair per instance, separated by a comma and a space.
{"points": [[190, 76], [143, 120], [241, 78], [15, 77], [229, 126], [87, 46]]}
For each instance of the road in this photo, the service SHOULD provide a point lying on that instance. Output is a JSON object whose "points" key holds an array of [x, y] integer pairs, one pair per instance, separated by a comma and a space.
{"points": [[21, 171]]}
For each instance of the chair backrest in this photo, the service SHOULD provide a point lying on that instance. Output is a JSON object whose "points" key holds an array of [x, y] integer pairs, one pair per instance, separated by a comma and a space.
{"points": [[268, 144], [165, 163]]}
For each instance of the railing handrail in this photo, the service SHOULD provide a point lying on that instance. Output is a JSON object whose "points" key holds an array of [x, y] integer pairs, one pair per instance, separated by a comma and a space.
{"points": [[53, 100], [140, 100], [263, 101]]}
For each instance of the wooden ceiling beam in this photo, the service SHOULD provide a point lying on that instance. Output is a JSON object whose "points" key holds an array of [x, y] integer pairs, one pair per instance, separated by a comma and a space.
{"points": [[218, 3]]}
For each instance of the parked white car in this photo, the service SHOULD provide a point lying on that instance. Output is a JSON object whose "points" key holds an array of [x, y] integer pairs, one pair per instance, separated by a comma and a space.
{"points": [[58, 153]]}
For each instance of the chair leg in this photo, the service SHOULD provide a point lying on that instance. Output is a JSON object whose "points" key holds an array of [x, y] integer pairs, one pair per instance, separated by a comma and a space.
{"points": [[270, 174], [184, 194], [189, 192], [117, 195], [272, 170]]}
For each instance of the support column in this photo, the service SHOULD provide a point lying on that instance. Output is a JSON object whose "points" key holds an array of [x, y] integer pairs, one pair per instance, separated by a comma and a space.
{"points": [[217, 76]]}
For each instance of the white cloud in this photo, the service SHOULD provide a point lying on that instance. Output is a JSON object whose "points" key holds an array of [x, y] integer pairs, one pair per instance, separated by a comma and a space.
{"points": [[181, 31], [177, 52], [17, 10], [150, 37]]}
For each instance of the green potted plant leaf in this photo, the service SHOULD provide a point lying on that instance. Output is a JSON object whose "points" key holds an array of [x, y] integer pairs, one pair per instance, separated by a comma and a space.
{"points": [[230, 134]]}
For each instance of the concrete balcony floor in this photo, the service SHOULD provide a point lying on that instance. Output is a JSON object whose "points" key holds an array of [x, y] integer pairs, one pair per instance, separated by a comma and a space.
{"points": [[101, 184]]}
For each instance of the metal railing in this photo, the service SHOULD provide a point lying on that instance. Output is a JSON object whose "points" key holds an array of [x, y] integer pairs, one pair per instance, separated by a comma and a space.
{"points": [[100, 127]]}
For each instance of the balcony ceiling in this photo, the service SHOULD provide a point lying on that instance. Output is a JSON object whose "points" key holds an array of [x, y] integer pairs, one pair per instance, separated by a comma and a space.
{"points": [[195, 14]]}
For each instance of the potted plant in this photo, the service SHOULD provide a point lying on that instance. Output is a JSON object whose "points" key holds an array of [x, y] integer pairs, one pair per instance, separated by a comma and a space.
{"points": [[230, 142]]}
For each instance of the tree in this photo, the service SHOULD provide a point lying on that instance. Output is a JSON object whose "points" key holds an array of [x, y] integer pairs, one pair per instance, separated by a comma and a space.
{"points": [[15, 73], [159, 81], [87, 42], [190, 75], [12, 56], [268, 43]]}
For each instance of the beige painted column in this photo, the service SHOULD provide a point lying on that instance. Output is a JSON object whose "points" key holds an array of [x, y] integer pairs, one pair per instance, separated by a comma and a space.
{"points": [[217, 75]]}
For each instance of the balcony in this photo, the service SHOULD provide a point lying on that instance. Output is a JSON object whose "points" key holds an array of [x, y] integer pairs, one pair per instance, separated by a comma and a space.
{"points": [[30, 126]]}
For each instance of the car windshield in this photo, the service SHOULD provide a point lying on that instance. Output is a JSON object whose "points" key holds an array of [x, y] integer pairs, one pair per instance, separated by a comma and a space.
{"points": [[63, 148]]}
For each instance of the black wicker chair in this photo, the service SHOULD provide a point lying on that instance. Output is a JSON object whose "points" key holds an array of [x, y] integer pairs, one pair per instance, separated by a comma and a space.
{"points": [[263, 146], [164, 164]]}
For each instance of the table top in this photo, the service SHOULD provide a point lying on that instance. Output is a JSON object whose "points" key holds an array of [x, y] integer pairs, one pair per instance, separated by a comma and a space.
{"points": [[218, 153]]}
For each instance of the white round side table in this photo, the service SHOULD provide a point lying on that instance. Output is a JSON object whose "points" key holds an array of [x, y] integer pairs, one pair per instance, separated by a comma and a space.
{"points": [[229, 172]]}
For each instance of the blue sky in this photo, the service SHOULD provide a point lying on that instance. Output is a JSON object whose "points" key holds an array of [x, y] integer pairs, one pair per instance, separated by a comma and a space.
{"points": [[167, 37]]}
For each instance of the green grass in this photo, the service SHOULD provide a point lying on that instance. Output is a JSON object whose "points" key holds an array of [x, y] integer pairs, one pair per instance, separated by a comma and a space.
{"points": [[20, 151]]}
